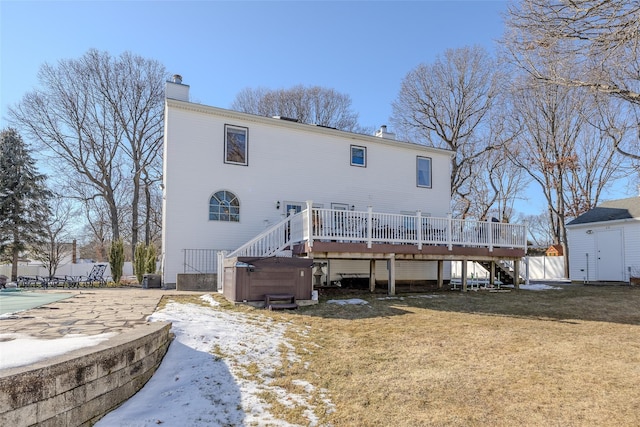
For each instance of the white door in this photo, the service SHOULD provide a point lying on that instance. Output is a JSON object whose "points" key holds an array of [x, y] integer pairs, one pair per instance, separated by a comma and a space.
{"points": [[609, 256]]}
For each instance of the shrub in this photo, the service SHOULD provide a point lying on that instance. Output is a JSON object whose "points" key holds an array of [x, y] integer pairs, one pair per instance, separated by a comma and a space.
{"points": [[151, 259], [140, 261], [116, 260]]}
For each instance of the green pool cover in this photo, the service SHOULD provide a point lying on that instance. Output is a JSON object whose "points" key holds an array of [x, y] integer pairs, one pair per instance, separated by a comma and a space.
{"points": [[13, 301]]}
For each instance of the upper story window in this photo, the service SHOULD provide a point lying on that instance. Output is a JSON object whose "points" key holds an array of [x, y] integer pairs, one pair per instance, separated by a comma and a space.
{"points": [[358, 156], [423, 172], [236, 145], [224, 206]]}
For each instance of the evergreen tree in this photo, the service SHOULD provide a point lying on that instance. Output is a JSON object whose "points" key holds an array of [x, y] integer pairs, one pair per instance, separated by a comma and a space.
{"points": [[140, 261], [151, 259], [116, 260], [24, 199]]}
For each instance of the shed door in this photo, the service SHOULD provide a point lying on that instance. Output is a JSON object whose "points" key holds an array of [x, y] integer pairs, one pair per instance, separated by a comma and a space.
{"points": [[610, 259]]}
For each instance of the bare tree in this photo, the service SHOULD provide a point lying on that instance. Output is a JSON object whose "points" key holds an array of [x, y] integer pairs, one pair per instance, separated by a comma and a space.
{"points": [[447, 104], [598, 162], [498, 185], [561, 150], [539, 230], [99, 119], [313, 105], [601, 36], [57, 244]]}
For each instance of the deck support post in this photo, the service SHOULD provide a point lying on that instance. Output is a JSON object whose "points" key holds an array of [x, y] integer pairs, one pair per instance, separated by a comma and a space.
{"points": [[372, 275], [464, 275], [516, 274], [391, 266], [440, 273], [492, 273]]}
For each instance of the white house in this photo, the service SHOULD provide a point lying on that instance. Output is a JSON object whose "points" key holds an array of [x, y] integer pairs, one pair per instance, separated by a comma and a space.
{"points": [[604, 243], [230, 176]]}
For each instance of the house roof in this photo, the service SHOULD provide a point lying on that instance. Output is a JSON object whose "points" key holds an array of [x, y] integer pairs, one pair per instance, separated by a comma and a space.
{"points": [[613, 210]]}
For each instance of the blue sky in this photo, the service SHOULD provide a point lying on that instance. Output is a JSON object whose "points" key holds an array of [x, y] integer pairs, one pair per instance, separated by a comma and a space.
{"points": [[360, 48]]}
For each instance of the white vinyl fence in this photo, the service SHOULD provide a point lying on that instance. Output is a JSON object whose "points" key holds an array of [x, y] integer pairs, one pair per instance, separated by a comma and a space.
{"points": [[540, 268]]}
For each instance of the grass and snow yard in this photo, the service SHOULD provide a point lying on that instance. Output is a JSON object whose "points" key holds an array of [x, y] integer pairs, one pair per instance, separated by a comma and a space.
{"points": [[558, 355]]}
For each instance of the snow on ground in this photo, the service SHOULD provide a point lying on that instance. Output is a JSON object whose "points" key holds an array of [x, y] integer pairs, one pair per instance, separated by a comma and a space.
{"points": [[352, 301], [20, 350], [539, 287], [217, 372]]}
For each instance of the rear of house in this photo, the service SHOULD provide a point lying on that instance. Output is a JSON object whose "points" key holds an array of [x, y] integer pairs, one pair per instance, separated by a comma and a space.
{"points": [[228, 176]]}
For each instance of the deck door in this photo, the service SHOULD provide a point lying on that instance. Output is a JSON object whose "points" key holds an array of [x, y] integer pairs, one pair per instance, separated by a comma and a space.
{"points": [[609, 255]]}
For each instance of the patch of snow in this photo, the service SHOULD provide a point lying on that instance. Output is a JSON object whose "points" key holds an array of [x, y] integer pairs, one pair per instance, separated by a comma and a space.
{"points": [[539, 287], [208, 298], [352, 301], [217, 371], [20, 350]]}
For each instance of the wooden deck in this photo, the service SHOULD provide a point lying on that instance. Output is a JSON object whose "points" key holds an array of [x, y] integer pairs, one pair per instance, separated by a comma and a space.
{"points": [[409, 252]]}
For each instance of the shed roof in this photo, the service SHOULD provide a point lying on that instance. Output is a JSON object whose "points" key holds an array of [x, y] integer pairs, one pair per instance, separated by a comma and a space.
{"points": [[613, 210]]}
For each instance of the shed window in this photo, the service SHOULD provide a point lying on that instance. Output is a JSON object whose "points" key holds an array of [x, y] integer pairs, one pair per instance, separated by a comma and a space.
{"points": [[236, 145], [224, 206]]}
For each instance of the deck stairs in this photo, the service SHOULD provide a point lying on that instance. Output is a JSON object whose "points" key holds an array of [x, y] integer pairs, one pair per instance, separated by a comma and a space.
{"points": [[504, 271], [280, 302]]}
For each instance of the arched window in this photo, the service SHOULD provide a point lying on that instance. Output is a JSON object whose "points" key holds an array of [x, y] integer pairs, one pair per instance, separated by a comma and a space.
{"points": [[224, 206]]}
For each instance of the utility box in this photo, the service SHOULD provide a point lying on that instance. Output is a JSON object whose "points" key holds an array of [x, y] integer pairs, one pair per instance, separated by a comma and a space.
{"points": [[150, 281]]}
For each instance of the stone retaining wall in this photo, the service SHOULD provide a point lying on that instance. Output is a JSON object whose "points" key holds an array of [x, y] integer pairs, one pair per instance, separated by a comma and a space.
{"points": [[197, 282], [80, 387]]}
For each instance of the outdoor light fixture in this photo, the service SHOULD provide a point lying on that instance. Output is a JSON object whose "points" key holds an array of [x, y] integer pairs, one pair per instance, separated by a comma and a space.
{"points": [[278, 204], [589, 231]]}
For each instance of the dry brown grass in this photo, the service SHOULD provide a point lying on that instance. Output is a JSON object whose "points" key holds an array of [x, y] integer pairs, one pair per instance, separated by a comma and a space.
{"points": [[552, 358]]}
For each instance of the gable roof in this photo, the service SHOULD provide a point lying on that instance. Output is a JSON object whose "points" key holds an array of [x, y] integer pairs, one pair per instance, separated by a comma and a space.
{"points": [[613, 210], [555, 249]]}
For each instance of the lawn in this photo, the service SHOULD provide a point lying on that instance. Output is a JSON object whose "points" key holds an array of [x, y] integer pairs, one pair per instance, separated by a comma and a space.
{"points": [[568, 357]]}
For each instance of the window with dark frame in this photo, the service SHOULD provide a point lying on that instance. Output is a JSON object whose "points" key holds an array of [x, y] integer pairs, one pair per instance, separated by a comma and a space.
{"points": [[236, 145], [224, 206], [358, 156], [423, 172]]}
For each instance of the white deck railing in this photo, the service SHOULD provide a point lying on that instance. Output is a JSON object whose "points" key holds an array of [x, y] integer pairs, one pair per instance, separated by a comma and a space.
{"points": [[372, 227]]}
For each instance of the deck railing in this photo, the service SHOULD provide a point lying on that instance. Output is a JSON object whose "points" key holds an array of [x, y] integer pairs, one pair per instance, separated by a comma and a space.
{"points": [[373, 227]]}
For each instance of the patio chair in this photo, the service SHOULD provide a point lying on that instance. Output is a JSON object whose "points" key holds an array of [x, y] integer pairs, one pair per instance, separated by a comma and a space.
{"points": [[95, 276], [30, 281]]}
